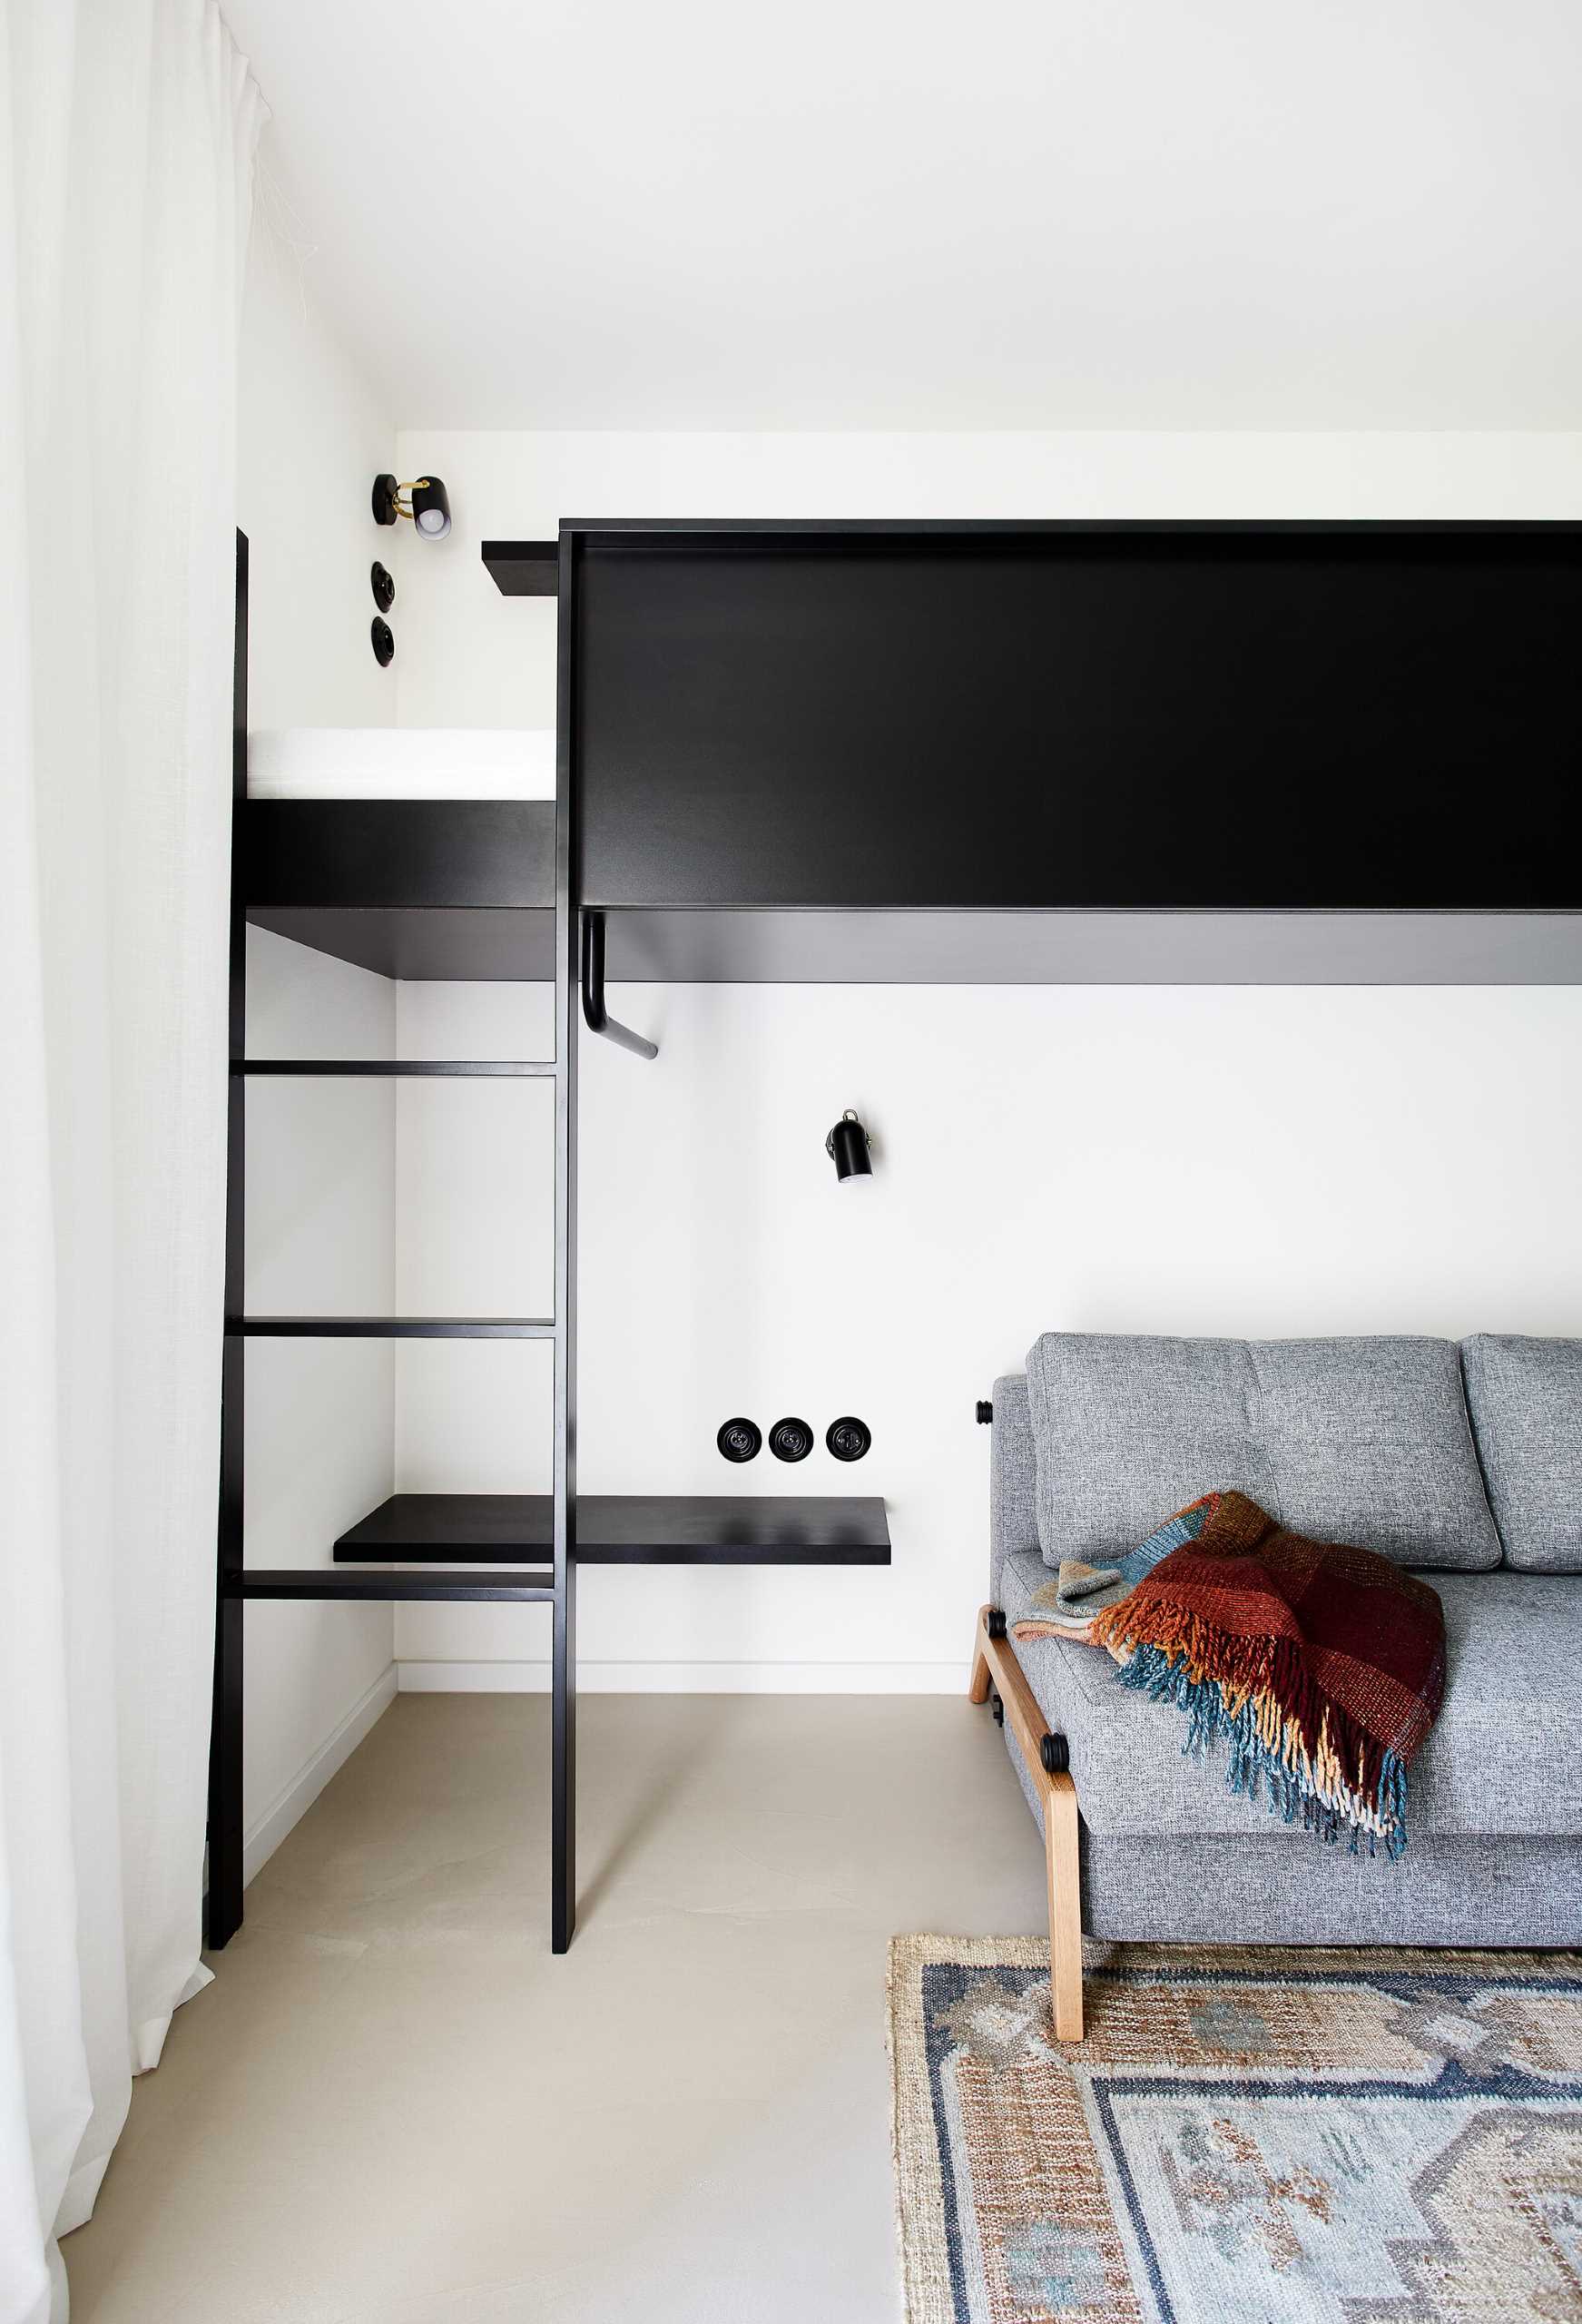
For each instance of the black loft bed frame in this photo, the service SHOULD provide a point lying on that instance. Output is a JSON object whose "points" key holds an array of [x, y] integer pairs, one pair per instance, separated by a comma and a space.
{"points": [[914, 754]]}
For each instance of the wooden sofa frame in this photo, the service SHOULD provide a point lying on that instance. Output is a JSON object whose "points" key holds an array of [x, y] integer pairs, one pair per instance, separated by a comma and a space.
{"points": [[995, 1669]]}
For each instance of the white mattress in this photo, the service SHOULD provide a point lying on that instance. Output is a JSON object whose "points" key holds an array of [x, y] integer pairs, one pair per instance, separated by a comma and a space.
{"points": [[401, 762]]}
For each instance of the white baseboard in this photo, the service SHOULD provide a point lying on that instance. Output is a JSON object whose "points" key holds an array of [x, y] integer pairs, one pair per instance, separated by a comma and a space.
{"points": [[689, 1678], [264, 1836]]}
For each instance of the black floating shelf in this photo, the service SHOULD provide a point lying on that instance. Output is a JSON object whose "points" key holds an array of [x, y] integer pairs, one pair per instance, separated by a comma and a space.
{"points": [[627, 1528], [317, 1581], [523, 568], [391, 1327]]}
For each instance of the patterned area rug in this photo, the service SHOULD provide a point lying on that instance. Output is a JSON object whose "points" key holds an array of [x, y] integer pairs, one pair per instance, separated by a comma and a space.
{"points": [[1245, 2137]]}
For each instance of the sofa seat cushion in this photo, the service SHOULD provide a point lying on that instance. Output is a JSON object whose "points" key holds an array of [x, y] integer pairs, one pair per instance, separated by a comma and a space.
{"points": [[1505, 1755], [1525, 1397], [1346, 1440]]}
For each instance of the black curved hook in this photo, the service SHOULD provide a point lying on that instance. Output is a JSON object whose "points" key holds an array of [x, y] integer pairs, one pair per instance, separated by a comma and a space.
{"points": [[595, 1016]]}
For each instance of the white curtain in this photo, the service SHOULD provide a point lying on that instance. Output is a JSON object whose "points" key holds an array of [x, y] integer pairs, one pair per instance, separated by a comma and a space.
{"points": [[126, 176]]}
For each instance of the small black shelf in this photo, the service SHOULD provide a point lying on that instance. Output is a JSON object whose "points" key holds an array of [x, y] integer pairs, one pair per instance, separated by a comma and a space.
{"points": [[523, 568], [627, 1528]]}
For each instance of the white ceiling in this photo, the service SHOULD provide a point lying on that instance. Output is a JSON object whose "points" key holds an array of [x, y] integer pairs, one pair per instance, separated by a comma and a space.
{"points": [[1082, 213]]}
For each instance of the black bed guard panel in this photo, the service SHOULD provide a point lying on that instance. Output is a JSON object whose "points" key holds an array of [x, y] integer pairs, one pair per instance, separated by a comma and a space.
{"points": [[1225, 717]]}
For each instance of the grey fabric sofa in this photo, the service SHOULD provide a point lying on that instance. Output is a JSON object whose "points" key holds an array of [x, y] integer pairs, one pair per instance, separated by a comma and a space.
{"points": [[1464, 1464]]}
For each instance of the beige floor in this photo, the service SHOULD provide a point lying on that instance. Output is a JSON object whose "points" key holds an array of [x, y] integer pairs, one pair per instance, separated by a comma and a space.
{"points": [[394, 2107]]}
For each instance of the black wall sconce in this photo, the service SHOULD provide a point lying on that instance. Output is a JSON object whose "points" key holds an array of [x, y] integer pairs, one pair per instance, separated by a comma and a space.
{"points": [[427, 505], [847, 1145]]}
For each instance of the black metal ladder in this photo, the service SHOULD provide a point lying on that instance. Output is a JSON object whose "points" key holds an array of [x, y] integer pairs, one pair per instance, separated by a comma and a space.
{"points": [[578, 974]]}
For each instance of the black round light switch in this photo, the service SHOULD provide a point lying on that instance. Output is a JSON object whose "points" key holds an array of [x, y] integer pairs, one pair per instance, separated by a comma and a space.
{"points": [[848, 1439], [739, 1440], [382, 582], [791, 1440], [383, 640]]}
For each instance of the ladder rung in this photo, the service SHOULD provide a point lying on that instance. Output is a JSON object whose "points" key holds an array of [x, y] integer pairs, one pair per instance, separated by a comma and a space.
{"points": [[315, 1581], [391, 1327], [512, 1069]]}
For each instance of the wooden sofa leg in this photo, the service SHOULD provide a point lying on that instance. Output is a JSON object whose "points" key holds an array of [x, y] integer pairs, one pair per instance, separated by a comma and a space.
{"points": [[1063, 1866], [994, 1663]]}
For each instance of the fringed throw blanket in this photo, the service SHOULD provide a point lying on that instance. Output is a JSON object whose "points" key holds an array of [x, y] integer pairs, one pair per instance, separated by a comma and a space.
{"points": [[1323, 1665], [1069, 1605]]}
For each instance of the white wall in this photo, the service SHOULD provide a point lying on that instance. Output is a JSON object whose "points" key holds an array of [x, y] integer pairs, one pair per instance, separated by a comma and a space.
{"points": [[475, 1237], [312, 437], [320, 1413], [1260, 1161], [321, 1169]]}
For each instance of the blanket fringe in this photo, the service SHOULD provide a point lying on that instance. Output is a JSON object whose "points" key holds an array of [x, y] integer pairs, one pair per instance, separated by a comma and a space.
{"points": [[1286, 1741]]}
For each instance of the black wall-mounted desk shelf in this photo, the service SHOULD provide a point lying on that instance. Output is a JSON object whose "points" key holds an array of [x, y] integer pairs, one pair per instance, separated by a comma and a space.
{"points": [[626, 1529]]}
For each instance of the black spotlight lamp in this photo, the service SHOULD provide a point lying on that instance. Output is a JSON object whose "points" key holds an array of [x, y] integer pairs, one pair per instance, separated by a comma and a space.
{"points": [[427, 503], [847, 1145]]}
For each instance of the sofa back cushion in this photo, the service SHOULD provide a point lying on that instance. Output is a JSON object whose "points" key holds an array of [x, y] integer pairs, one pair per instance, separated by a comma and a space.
{"points": [[1525, 1397], [1348, 1440]]}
